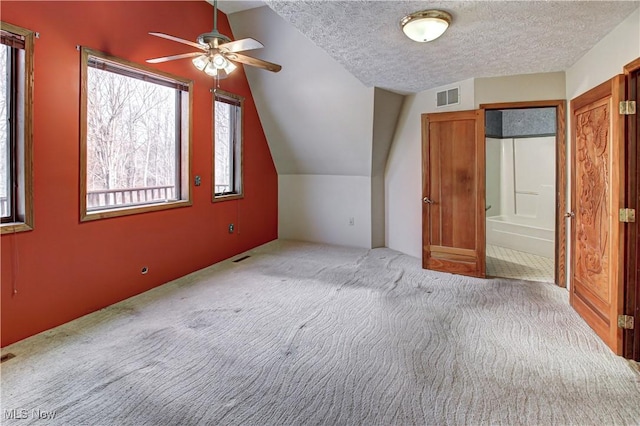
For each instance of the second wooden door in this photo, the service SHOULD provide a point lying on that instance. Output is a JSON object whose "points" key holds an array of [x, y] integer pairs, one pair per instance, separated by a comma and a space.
{"points": [[453, 215]]}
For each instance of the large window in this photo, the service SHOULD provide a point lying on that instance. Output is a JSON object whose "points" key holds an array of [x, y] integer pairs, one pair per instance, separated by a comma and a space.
{"points": [[135, 138], [16, 139], [227, 155]]}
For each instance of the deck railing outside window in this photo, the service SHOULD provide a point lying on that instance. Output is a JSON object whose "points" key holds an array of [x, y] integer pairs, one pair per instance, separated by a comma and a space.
{"points": [[107, 198]]}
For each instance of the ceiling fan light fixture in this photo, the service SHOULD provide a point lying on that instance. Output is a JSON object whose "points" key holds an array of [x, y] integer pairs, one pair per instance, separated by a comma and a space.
{"points": [[426, 25], [218, 55], [211, 70], [230, 67], [222, 63], [219, 61], [200, 62]]}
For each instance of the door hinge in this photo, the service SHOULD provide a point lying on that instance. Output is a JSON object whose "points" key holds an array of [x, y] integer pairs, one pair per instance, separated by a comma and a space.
{"points": [[627, 215], [625, 322], [627, 107]]}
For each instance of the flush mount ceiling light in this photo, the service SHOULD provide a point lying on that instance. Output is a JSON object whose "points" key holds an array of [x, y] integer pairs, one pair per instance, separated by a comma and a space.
{"points": [[426, 25]]}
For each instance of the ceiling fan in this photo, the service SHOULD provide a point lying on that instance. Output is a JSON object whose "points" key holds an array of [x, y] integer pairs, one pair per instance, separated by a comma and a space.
{"points": [[218, 54]]}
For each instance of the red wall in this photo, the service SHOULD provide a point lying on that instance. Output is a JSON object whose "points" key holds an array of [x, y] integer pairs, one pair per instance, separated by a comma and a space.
{"points": [[65, 269]]}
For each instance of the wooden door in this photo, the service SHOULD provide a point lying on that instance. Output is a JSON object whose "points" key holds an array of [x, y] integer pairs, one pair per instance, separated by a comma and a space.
{"points": [[453, 182], [597, 188]]}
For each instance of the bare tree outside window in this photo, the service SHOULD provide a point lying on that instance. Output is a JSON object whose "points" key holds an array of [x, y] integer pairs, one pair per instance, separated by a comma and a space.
{"points": [[133, 133], [223, 147]]}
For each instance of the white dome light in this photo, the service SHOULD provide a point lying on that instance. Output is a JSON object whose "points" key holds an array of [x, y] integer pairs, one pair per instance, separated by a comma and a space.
{"points": [[425, 26]]}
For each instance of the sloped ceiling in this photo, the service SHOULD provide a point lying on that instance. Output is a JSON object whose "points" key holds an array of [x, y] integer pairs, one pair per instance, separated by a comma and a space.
{"points": [[317, 116], [486, 38]]}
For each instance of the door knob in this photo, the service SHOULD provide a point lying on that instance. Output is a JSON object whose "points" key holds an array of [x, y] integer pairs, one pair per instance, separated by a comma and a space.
{"points": [[426, 200], [570, 214]]}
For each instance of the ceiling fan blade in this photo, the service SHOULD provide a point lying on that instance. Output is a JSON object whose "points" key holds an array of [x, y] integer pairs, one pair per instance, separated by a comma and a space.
{"points": [[179, 40], [174, 57], [241, 45], [254, 62]]}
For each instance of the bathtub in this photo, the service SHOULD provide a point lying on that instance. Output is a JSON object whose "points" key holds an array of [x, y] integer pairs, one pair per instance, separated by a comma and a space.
{"points": [[522, 234]]}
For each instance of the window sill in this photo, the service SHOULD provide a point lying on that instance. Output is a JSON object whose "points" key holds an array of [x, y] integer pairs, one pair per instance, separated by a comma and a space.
{"points": [[228, 197], [15, 227], [127, 211]]}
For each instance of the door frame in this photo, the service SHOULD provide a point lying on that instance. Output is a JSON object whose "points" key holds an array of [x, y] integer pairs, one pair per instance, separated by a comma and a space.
{"points": [[631, 348], [560, 277]]}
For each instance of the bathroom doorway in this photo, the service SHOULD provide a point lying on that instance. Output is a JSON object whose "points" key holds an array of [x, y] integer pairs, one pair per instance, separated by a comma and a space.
{"points": [[525, 175]]}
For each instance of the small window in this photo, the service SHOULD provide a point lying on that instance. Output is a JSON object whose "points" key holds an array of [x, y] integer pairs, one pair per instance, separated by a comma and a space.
{"points": [[227, 164], [135, 138], [16, 139]]}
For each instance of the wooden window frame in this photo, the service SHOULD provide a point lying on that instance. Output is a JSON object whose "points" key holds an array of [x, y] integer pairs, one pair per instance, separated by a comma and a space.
{"points": [[238, 159], [22, 217], [184, 163]]}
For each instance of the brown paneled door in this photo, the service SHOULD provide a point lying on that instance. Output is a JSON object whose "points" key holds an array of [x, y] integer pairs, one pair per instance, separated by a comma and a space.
{"points": [[597, 194], [453, 190]]}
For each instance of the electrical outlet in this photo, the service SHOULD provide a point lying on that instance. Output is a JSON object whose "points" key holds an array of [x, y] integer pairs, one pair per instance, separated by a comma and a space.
{"points": [[198, 181], [352, 221], [231, 228]]}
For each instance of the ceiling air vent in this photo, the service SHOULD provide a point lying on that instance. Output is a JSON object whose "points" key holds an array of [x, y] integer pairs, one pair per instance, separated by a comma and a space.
{"points": [[448, 97]]}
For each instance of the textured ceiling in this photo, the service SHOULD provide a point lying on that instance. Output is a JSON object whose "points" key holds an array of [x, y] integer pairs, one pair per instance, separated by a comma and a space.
{"points": [[233, 6], [486, 38]]}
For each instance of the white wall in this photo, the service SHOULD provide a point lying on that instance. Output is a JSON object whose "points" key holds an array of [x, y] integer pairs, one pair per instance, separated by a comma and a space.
{"points": [[386, 111], [378, 235], [319, 123], [534, 166], [607, 58], [520, 88], [318, 208], [317, 117], [403, 178], [493, 173]]}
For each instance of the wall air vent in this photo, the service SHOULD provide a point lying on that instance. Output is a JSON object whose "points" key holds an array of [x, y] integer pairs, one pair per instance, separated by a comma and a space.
{"points": [[448, 97]]}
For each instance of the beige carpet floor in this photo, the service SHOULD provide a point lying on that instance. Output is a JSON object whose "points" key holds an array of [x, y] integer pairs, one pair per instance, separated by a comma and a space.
{"points": [[304, 334]]}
